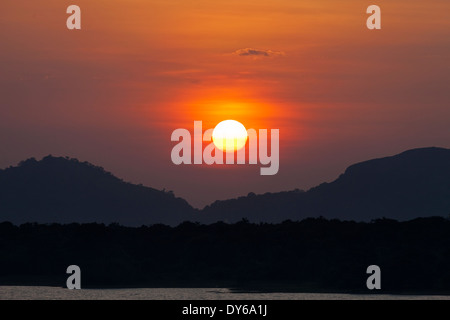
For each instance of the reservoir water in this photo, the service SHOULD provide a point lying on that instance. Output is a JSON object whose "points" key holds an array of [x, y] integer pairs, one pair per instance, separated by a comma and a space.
{"points": [[58, 293]]}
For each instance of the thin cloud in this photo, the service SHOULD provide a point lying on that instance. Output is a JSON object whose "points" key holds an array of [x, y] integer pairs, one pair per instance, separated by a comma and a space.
{"points": [[257, 53]]}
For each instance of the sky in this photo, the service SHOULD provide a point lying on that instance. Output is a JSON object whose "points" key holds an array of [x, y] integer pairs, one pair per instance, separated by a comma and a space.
{"points": [[113, 92]]}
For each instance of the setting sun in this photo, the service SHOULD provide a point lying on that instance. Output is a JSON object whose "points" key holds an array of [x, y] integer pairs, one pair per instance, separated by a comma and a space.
{"points": [[229, 133]]}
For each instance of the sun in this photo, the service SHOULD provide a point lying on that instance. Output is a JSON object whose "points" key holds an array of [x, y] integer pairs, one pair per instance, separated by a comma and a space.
{"points": [[231, 133]]}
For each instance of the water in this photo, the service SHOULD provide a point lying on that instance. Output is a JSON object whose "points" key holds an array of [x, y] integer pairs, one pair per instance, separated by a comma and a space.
{"points": [[56, 293]]}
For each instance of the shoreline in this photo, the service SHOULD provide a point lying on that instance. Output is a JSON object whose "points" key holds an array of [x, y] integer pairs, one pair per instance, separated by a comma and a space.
{"points": [[269, 289]]}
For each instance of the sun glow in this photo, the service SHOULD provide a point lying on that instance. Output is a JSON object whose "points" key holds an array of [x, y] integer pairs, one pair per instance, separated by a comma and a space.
{"points": [[229, 134]]}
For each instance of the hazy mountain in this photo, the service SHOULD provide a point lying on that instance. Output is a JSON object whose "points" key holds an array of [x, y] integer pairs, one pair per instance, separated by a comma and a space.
{"points": [[64, 190], [415, 183]]}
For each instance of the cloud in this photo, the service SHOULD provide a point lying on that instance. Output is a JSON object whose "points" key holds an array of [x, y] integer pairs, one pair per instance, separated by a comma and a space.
{"points": [[257, 52]]}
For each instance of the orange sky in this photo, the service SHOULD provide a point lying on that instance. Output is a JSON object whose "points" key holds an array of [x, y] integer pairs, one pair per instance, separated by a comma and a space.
{"points": [[113, 92]]}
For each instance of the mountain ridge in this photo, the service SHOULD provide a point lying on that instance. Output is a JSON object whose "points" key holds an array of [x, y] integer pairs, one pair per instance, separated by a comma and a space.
{"points": [[356, 192], [408, 185], [67, 190]]}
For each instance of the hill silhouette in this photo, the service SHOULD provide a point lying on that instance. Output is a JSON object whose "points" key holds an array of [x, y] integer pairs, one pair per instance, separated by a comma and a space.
{"points": [[415, 183], [311, 254], [64, 190]]}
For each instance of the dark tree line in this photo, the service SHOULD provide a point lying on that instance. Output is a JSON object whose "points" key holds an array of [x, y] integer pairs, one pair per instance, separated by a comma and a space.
{"points": [[310, 255]]}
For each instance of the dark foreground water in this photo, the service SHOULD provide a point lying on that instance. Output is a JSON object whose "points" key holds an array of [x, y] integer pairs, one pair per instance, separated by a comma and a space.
{"points": [[56, 293]]}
